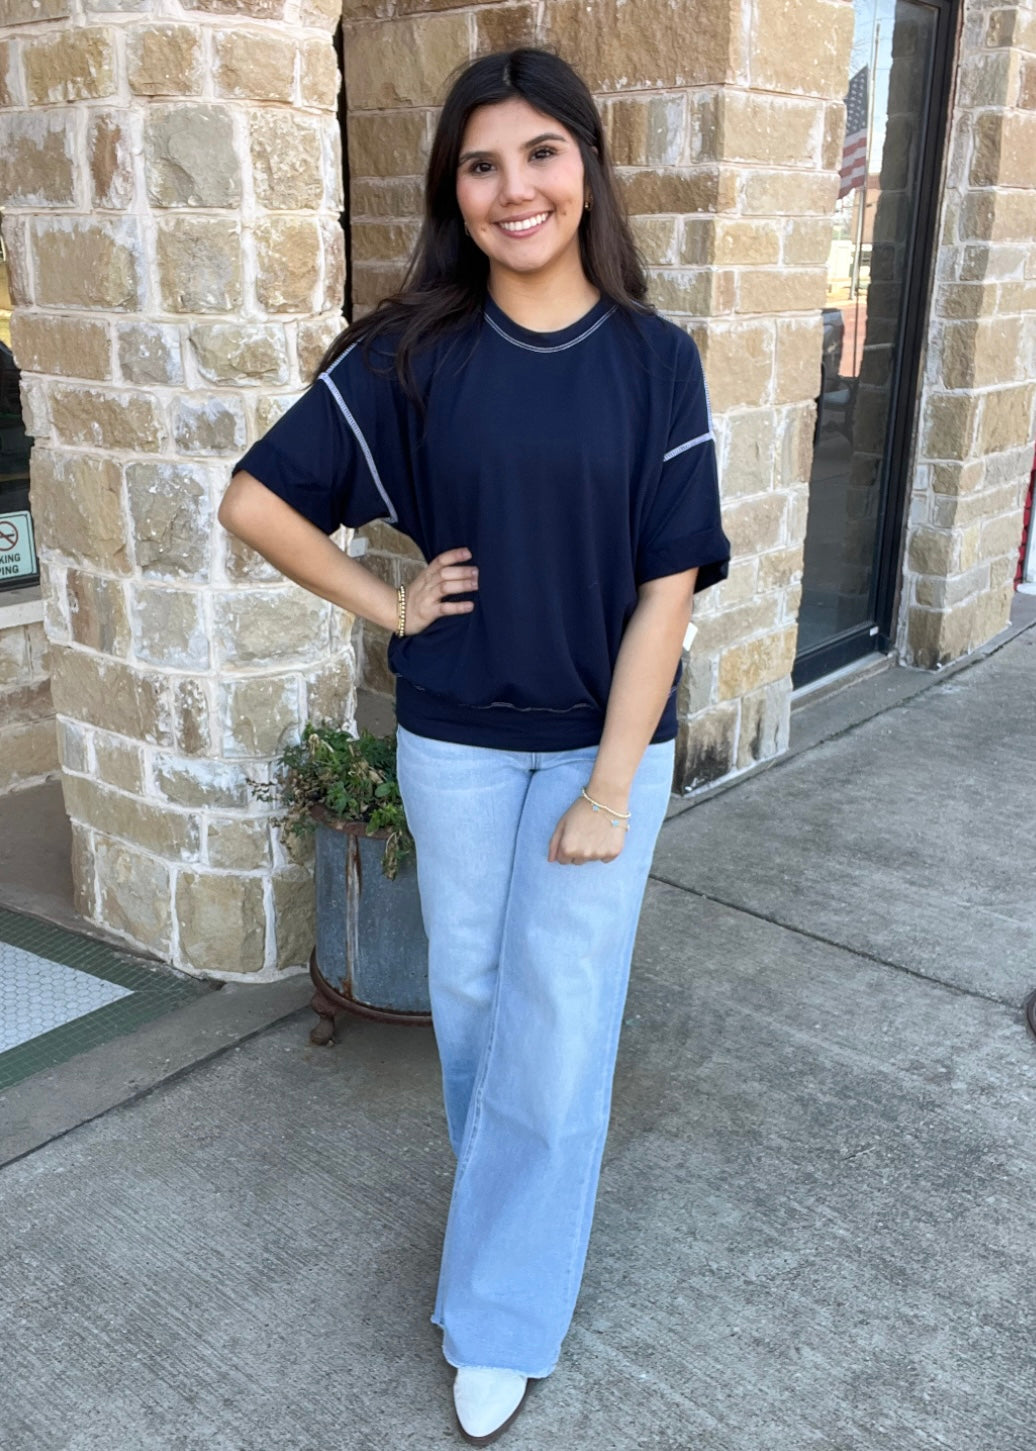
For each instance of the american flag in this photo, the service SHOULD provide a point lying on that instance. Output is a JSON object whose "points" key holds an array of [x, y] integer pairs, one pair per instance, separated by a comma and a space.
{"points": [[854, 152]]}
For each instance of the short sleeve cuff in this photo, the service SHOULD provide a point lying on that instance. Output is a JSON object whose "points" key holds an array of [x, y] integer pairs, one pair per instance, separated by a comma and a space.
{"points": [[708, 551], [265, 463]]}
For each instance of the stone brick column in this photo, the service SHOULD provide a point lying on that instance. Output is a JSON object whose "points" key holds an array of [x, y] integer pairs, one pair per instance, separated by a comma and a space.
{"points": [[726, 122], [974, 452], [172, 187]]}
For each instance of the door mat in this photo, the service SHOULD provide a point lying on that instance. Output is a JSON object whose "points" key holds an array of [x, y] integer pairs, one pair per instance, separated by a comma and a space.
{"points": [[61, 994]]}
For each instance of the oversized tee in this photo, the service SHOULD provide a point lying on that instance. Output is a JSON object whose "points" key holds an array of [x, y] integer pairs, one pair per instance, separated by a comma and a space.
{"points": [[576, 465]]}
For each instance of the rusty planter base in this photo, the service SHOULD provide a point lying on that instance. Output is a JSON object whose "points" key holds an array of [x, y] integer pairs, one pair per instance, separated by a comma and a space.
{"points": [[327, 1002]]}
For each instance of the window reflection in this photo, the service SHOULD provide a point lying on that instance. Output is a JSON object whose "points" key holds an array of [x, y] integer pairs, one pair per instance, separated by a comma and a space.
{"points": [[870, 251]]}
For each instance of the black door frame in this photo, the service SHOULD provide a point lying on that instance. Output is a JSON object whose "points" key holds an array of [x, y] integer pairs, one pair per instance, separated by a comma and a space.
{"points": [[878, 633]]}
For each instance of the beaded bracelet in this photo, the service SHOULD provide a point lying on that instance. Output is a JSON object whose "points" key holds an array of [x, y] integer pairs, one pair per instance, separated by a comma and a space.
{"points": [[620, 818], [401, 611]]}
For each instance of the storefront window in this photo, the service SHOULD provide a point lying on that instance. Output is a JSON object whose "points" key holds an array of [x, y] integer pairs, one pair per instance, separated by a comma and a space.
{"points": [[18, 565], [873, 323]]}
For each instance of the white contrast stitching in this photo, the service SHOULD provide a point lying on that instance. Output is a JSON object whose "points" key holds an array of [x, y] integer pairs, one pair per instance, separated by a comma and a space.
{"points": [[557, 347], [506, 704], [358, 433], [683, 447]]}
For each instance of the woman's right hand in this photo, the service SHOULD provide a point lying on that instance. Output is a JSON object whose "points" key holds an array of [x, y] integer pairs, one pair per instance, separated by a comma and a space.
{"points": [[426, 594]]}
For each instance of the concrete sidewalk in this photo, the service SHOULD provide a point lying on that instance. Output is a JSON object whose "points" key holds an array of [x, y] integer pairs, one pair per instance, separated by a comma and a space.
{"points": [[818, 1206]]}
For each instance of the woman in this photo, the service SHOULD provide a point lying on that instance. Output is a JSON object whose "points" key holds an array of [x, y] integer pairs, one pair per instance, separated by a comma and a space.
{"points": [[545, 438]]}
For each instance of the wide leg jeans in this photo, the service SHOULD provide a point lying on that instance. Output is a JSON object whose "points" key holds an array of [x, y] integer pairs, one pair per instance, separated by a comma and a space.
{"points": [[528, 970]]}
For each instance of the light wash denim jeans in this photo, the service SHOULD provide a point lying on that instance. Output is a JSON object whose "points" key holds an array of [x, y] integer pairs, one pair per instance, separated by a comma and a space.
{"points": [[528, 968]]}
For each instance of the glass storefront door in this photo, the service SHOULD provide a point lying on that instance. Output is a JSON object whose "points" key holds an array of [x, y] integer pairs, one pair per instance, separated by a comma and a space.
{"points": [[895, 115]]}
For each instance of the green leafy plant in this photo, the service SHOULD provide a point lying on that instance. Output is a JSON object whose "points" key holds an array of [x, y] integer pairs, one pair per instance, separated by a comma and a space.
{"points": [[351, 777]]}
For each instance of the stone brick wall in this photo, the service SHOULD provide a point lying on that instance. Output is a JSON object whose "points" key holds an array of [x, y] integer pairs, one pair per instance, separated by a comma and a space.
{"points": [[171, 180], [726, 122], [978, 405], [28, 744]]}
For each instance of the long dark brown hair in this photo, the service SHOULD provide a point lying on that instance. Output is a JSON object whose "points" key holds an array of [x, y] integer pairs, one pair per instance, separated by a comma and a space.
{"points": [[446, 278]]}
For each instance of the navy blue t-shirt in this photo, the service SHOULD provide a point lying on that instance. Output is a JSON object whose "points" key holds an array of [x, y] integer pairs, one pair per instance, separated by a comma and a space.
{"points": [[575, 465]]}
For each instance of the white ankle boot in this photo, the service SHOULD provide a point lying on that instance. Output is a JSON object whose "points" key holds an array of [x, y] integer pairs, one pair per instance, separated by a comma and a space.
{"points": [[487, 1401]]}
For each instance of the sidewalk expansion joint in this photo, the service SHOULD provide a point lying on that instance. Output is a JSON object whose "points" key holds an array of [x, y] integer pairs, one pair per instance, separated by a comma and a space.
{"points": [[860, 952]]}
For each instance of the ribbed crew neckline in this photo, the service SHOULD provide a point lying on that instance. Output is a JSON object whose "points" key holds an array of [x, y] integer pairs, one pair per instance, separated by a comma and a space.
{"points": [[552, 342]]}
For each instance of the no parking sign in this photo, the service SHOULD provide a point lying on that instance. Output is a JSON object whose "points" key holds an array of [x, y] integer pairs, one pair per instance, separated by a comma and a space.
{"points": [[17, 547]]}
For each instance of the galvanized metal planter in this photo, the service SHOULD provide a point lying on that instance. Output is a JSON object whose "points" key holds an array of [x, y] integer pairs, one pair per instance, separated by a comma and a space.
{"points": [[371, 956]]}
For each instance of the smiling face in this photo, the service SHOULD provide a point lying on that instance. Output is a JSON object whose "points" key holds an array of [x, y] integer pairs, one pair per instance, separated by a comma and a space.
{"points": [[521, 190]]}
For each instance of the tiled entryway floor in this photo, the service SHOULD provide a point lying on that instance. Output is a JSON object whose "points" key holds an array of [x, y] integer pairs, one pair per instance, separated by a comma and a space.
{"points": [[61, 994]]}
